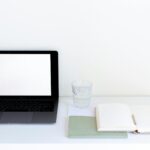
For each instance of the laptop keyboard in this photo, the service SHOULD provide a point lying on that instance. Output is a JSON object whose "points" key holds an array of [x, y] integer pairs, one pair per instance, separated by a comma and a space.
{"points": [[26, 106]]}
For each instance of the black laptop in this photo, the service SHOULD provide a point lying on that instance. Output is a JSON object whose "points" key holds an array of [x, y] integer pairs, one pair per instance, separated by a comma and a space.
{"points": [[28, 86]]}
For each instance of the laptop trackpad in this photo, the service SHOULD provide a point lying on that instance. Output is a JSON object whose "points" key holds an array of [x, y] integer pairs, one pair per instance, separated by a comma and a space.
{"points": [[16, 117]]}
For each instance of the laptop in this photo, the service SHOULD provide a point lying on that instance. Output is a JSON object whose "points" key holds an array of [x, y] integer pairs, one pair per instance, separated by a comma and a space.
{"points": [[28, 87]]}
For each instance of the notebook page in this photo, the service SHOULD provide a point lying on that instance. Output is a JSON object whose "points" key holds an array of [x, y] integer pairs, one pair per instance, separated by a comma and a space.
{"points": [[142, 118], [114, 117]]}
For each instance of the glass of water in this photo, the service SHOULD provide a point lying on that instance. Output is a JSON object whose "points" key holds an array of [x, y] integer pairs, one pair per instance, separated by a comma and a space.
{"points": [[82, 92]]}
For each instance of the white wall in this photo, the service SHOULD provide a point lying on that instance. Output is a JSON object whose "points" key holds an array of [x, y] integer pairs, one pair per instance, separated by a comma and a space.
{"points": [[105, 41]]}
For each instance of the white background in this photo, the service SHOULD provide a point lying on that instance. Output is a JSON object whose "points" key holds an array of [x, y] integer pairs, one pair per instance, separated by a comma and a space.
{"points": [[104, 41], [27, 74]]}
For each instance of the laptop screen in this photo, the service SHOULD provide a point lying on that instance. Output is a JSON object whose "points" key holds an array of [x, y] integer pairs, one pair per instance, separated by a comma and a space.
{"points": [[25, 74]]}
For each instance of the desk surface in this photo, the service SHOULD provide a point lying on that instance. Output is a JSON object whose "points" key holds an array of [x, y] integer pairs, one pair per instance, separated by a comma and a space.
{"points": [[57, 133]]}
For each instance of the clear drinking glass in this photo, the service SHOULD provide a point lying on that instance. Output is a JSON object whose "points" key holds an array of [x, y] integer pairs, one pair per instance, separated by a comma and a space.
{"points": [[82, 92]]}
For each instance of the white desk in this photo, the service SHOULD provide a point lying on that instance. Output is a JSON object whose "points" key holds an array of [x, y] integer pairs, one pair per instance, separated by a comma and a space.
{"points": [[57, 133]]}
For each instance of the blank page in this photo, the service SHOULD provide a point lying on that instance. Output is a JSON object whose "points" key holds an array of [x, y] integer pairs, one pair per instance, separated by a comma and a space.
{"points": [[142, 118], [114, 117]]}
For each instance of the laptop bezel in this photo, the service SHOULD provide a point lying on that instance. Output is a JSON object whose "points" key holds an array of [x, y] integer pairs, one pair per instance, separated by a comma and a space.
{"points": [[54, 78]]}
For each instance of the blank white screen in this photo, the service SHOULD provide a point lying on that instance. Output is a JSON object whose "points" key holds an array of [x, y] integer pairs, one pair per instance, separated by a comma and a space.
{"points": [[25, 74]]}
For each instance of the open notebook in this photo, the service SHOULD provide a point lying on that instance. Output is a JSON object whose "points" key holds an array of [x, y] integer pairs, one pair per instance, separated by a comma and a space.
{"points": [[120, 117]]}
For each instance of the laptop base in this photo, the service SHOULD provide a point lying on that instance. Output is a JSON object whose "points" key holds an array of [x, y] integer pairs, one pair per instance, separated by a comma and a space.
{"points": [[27, 117]]}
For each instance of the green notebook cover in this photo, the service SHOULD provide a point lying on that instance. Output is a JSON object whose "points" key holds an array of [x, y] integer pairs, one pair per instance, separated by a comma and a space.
{"points": [[85, 127]]}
